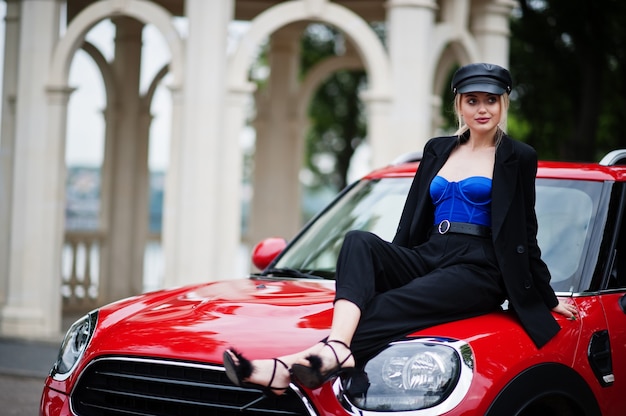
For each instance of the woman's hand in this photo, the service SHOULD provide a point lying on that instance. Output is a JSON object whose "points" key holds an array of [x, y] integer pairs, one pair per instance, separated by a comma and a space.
{"points": [[566, 309]]}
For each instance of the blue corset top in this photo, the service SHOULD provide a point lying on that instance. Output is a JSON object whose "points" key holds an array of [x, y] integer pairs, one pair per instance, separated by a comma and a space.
{"points": [[468, 200]]}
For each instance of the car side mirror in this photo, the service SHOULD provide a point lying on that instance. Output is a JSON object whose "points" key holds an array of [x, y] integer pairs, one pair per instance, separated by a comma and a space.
{"points": [[266, 251]]}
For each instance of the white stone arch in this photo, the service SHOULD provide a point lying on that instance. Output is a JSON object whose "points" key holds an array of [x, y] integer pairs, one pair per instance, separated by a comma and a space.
{"points": [[316, 75], [106, 72], [141, 10], [369, 47], [463, 50], [58, 91], [110, 85], [151, 90], [451, 46]]}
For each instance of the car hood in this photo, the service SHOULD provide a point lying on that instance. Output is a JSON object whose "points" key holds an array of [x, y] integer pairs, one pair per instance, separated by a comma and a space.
{"points": [[260, 318], [257, 317]]}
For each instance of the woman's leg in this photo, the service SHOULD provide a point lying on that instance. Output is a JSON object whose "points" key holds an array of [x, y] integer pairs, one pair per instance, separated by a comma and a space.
{"points": [[346, 317], [367, 265], [467, 283]]}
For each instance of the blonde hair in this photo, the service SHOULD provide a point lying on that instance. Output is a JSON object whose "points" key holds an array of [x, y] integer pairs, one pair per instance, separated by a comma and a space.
{"points": [[462, 126]]}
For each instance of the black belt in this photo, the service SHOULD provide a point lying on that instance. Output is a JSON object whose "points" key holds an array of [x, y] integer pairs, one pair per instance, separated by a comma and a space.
{"points": [[446, 226]]}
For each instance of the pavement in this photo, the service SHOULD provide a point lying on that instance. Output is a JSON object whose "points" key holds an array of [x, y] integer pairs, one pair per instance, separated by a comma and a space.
{"points": [[27, 358], [19, 396], [24, 365]]}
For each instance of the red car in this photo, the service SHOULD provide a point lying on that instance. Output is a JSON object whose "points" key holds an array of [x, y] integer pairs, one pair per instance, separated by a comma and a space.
{"points": [[161, 353]]}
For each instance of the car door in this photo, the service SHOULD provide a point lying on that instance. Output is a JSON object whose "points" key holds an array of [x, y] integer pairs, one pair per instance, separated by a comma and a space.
{"points": [[613, 299], [614, 305]]}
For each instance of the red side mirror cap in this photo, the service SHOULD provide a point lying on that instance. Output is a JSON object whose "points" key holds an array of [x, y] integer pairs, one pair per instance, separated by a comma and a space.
{"points": [[266, 251]]}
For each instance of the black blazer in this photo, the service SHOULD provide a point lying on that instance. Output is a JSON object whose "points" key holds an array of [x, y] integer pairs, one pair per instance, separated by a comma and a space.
{"points": [[514, 228]]}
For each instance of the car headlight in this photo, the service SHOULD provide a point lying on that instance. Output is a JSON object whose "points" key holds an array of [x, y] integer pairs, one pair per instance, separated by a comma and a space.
{"points": [[74, 344], [431, 373]]}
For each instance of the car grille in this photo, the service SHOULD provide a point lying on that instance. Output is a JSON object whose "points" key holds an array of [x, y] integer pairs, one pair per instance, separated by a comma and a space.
{"points": [[132, 386]]}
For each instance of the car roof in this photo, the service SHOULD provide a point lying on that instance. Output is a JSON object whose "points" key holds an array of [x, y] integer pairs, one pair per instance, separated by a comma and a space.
{"points": [[546, 169]]}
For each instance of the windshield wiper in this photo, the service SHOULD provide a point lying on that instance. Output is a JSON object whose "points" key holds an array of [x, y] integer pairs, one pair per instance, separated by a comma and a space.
{"points": [[288, 272]]}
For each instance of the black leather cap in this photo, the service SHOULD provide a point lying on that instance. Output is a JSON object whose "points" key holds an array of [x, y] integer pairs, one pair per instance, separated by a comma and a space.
{"points": [[482, 77]]}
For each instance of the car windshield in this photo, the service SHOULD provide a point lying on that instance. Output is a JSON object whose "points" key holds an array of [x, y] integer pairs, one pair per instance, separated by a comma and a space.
{"points": [[565, 209]]}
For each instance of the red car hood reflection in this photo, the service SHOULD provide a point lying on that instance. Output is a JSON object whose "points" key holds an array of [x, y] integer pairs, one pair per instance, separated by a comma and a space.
{"points": [[262, 319], [258, 317]]}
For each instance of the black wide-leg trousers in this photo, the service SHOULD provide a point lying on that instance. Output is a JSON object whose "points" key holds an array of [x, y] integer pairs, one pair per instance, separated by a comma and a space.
{"points": [[400, 290]]}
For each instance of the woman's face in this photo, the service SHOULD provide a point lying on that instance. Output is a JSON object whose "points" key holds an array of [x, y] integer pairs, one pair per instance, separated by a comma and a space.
{"points": [[481, 111]]}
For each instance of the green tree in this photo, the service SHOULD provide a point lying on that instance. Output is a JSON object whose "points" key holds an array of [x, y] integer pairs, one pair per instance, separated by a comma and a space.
{"points": [[336, 112], [568, 64]]}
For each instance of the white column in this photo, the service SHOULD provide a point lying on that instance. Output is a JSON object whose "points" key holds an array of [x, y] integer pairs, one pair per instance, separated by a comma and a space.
{"points": [[124, 246], [7, 137], [171, 211], [203, 237], [142, 193], [410, 23], [33, 299], [226, 227], [490, 26], [278, 153], [106, 196], [384, 148], [455, 12]]}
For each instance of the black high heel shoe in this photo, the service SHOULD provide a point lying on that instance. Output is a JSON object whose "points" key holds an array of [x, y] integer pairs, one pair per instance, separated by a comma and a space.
{"points": [[238, 372], [312, 376]]}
